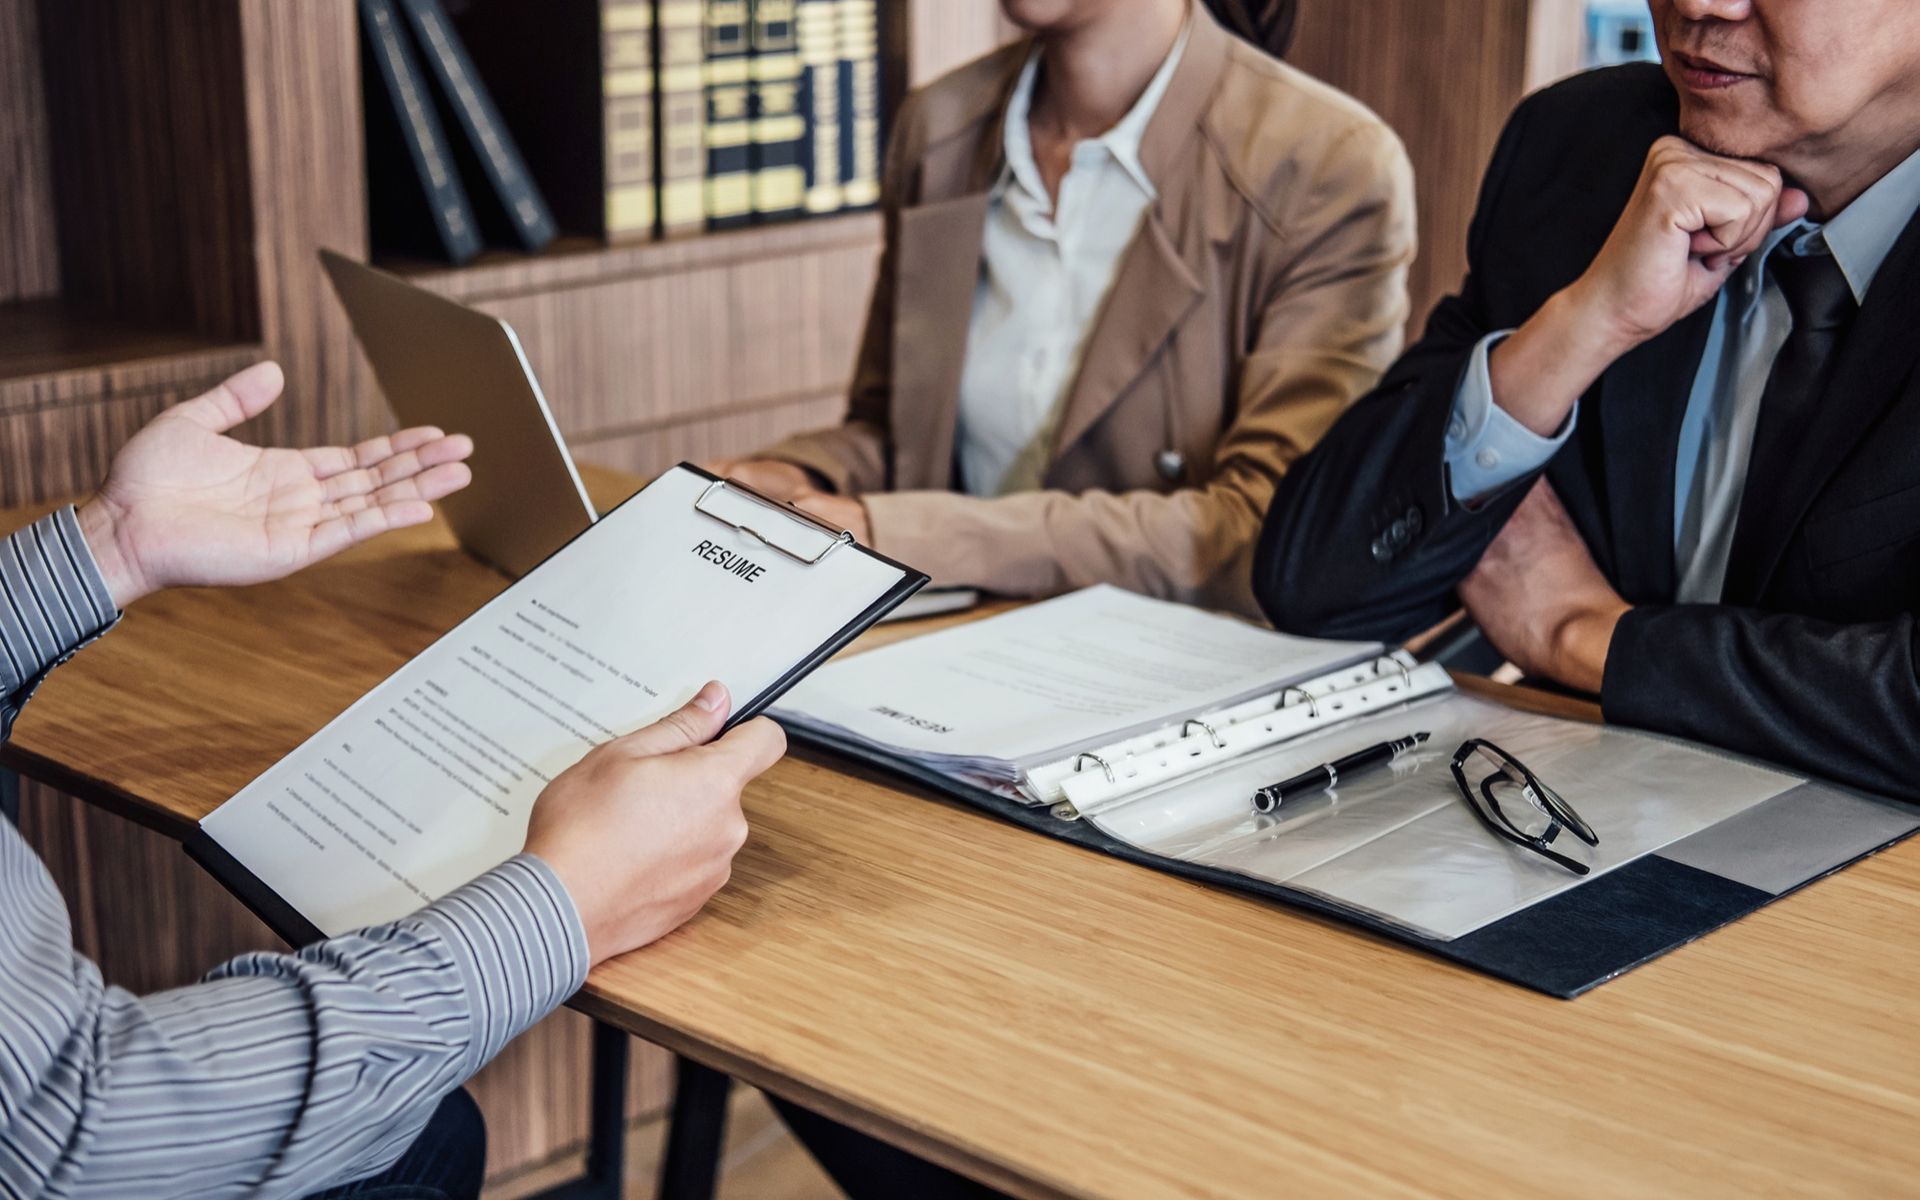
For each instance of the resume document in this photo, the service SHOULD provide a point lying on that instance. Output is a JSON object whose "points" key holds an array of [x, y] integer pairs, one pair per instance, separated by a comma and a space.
{"points": [[428, 779]]}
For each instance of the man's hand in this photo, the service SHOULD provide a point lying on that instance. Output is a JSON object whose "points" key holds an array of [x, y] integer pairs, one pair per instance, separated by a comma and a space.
{"points": [[644, 828], [185, 505], [1540, 598], [1693, 218], [780, 480], [841, 512]]}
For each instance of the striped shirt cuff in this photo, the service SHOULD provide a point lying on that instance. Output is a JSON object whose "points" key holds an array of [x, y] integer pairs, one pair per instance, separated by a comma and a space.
{"points": [[519, 944], [53, 601]]}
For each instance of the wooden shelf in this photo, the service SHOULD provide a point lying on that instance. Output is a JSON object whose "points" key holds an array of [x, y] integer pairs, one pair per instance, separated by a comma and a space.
{"points": [[40, 339], [578, 261]]}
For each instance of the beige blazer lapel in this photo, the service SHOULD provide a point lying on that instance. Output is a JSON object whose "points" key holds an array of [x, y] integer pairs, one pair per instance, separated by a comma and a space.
{"points": [[1152, 293], [938, 248]]}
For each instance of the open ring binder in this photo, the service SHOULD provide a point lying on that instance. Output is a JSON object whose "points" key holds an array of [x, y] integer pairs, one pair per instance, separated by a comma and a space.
{"points": [[840, 537], [1146, 761]]}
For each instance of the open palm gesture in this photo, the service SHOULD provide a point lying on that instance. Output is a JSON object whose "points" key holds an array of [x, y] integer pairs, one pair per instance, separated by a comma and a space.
{"points": [[185, 505]]}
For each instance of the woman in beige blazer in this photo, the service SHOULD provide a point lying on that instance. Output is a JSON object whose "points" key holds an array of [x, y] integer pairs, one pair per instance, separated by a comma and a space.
{"points": [[1123, 414]]}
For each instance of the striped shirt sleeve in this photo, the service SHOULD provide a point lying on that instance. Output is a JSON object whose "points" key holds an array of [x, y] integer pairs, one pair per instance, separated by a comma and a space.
{"points": [[53, 601], [279, 1074]]}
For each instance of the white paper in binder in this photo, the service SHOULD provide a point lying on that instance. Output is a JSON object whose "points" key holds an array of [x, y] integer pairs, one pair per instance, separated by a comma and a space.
{"points": [[1011, 702]]}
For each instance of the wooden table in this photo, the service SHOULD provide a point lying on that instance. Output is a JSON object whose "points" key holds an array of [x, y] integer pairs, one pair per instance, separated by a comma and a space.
{"points": [[1060, 1024]]}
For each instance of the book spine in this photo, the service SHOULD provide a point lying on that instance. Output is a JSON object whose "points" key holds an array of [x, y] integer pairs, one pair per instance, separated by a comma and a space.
{"points": [[626, 90], [816, 26], [500, 160], [729, 68], [681, 104], [779, 124], [860, 147], [426, 143]]}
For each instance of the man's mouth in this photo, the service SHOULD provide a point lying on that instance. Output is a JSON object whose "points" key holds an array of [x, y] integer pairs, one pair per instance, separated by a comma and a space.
{"points": [[1704, 74]]}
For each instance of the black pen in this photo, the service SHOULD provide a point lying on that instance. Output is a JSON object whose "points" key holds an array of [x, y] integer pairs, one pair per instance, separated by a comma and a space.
{"points": [[1327, 775]]}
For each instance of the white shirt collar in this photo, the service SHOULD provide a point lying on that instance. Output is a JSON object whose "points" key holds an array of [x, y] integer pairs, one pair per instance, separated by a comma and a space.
{"points": [[1122, 141]]}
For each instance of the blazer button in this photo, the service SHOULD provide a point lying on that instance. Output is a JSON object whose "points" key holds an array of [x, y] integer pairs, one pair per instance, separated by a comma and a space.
{"points": [[1398, 533], [1416, 519], [1381, 551], [1171, 464]]}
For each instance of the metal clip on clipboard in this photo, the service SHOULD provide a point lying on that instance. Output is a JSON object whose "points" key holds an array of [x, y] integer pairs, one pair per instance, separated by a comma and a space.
{"points": [[718, 502]]}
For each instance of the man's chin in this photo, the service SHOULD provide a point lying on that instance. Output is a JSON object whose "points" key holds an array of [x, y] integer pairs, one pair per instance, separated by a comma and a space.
{"points": [[1728, 135]]}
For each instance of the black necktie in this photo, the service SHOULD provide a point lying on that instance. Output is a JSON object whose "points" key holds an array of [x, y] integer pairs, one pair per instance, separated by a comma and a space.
{"points": [[1822, 304]]}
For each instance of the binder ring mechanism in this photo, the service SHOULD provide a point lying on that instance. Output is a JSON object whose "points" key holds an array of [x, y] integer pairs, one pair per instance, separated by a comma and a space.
{"points": [[1186, 731], [1313, 706], [1105, 766], [1393, 662], [840, 537]]}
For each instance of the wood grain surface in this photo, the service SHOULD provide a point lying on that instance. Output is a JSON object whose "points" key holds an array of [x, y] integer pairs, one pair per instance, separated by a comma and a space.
{"points": [[1061, 1024]]}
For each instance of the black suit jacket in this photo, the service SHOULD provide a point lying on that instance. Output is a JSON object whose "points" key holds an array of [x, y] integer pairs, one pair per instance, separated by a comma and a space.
{"points": [[1810, 658]]}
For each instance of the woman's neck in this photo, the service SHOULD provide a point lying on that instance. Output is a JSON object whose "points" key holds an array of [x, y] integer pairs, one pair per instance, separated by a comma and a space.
{"points": [[1091, 75]]}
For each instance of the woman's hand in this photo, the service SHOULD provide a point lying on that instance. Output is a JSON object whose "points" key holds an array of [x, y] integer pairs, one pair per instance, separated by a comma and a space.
{"points": [[185, 505]]}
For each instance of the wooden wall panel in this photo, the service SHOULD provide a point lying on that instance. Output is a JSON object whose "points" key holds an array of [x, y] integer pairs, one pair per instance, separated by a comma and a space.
{"points": [[308, 191], [29, 265], [650, 451], [643, 351], [1444, 74], [149, 154]]}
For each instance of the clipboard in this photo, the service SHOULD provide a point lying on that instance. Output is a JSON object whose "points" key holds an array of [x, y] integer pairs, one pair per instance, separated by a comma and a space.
{"points": [[738, 516]]}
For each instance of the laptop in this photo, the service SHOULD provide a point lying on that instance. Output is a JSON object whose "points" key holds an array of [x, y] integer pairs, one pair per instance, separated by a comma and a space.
{"points": [[442, 363]]}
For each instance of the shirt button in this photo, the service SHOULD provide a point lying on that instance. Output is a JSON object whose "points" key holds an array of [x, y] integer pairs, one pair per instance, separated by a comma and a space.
{"points": [[1381, 551], [1456, 429], [1488, 459]]}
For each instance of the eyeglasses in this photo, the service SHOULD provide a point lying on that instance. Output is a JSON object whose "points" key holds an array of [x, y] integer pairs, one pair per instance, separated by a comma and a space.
{"points": [[1512, 802]]}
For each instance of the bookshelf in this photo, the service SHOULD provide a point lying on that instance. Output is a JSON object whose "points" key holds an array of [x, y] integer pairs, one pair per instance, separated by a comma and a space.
{"points": [[169, 171]]}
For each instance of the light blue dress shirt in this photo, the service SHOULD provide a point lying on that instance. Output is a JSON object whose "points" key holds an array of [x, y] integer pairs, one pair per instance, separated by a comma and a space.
{"points": [[1486, 449]]}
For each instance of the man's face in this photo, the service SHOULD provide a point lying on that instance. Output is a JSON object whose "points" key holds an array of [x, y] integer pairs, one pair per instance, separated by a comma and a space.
{"points": [[1789, 80]]}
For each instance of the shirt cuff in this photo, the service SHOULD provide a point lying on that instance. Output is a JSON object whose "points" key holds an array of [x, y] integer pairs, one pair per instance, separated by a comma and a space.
{"points": [[520, 946], [1486, 448]]}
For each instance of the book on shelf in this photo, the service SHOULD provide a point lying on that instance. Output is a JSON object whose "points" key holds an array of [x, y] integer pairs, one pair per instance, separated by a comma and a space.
{"points": [[486, 153], [817, 33], [574, 81], [626, 136], [860, 145], [728, 72], [682, 104], [779, 123], [416, 203]]}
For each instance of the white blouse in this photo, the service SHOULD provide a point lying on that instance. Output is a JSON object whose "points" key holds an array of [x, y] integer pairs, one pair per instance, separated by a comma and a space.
{"points": [[1043, 276]]}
